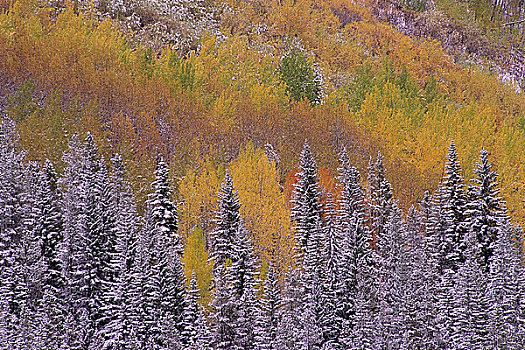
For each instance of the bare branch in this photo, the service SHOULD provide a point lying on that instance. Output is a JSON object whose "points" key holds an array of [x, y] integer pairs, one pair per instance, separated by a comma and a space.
{"points": [[515, 22]]}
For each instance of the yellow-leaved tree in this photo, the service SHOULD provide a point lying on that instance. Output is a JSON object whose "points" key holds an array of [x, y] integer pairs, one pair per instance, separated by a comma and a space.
{"points": [[196, 262], [263, 206], [198, 192]]}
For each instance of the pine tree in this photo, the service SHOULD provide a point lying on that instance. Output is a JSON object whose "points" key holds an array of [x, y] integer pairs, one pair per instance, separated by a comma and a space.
{"points": [[332, 245], [48, 234], [331, 260], [163, 212], [89, 234], [142, 310], [471, 306], [355, 253], [306, 210], [13, 289], [51, 228], [244, 265], [418, 283], [454, 200], [380, 196], [505, 281], [227, 221], [445, 309], [121, 331], [290, 327], [267, 325], [485, 209], [225, 313], [194, 336], [440, 233], [246, 323], [424, 212], [242, 277], [164, 286], [236, 307], [314, 315], [391, 252]]}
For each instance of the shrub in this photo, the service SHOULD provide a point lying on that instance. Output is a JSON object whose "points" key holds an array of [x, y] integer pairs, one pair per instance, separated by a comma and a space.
{"points": [[301, 79]]}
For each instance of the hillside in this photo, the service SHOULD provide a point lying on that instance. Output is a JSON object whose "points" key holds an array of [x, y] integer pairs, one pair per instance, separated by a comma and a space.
{"points": [[250, 174], [379, 90]]}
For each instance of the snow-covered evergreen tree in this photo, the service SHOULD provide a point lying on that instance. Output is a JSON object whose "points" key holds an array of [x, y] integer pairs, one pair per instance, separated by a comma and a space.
{"points": [[454, 200], [506, 284], [354, 263], [441, 235], [290, 327], [90, 242], [314, 314], [13, 288], [331, 254], [164, 290], [51, 228], [227, 220], [486, 210], [121, 332], [445, 305], [48, 235], [236, 308], [418, 287], [306, 200], [268, 321], [392, 272], [242, 276], [194, 335], [225, 313], [380, 196], [471, 305]]}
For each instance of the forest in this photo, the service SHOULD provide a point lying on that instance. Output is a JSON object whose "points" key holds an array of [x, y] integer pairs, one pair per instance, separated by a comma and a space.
{"points": [[259, 174], [82, 269]]}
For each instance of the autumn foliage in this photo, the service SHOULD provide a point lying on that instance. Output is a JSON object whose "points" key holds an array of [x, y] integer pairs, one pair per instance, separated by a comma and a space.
{"points": [[381, 91]]}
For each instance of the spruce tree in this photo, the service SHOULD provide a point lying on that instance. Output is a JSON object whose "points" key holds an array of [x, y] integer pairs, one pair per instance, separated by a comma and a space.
{"points": [[13, 290], [471, 307], [242, 277], [506, 281], [89, 234], [331, 260], [225, 313], [121, 331], [51, 229], [290, 327], [306, 210], [314, 311], [391, 248], [268, 320], [227, 219], [486, 210], [193, 335], [454, 200], [418, 283], [48, 235], [355, 253], [441, 234], [332, 245], [235, 308], [164, 288], [244, 265], [445, 309], [380, 196]]}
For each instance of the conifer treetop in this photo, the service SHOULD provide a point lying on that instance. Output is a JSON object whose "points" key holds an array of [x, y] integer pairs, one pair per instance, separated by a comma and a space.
{"points": [[227, 221], [306, 199]]}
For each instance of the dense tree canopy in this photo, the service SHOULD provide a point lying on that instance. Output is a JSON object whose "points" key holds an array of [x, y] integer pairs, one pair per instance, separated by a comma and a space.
{"points": [[82, 269]]}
